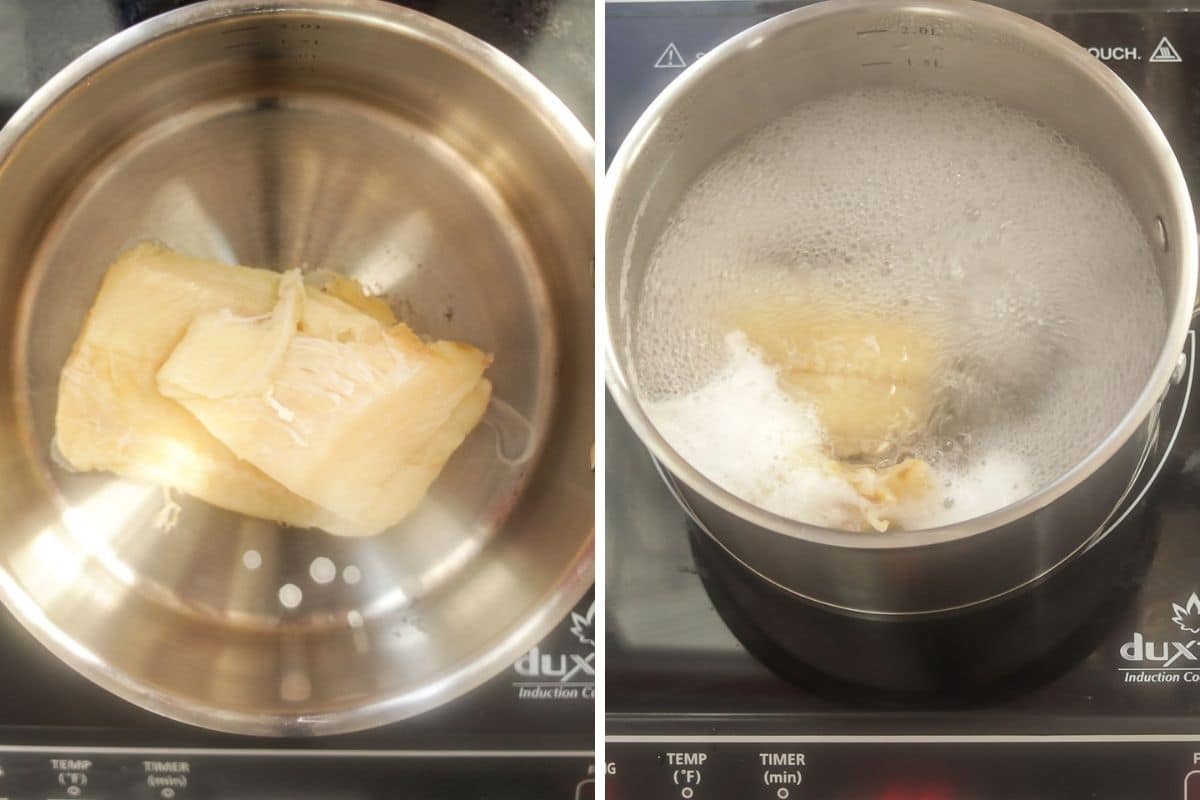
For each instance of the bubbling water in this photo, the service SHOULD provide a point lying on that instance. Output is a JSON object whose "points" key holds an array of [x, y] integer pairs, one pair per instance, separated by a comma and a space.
{"points": [[1016, 250]]}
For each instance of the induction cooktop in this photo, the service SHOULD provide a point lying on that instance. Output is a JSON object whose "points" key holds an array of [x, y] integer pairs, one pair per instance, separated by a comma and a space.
{"points": [[705, 697], [527, 733]]}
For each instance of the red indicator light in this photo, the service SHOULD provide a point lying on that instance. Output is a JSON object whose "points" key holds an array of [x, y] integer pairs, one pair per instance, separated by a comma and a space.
{"points": [[916, 792]]}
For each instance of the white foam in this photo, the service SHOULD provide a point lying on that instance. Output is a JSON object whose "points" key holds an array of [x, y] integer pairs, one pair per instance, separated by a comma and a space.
{"points": [[992, 481], [745, 433]]}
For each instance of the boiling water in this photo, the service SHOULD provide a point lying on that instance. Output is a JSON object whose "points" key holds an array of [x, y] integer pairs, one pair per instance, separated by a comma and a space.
{"points": [[1016, 250], [744, 433]]}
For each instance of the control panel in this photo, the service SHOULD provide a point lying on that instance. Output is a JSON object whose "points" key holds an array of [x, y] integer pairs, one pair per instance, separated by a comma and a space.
{"points": [[124, 774], [903, 768]]}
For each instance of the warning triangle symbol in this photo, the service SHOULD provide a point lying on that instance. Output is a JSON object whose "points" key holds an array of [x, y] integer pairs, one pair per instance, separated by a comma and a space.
{"points": [[1165, 52], [670, 59]]}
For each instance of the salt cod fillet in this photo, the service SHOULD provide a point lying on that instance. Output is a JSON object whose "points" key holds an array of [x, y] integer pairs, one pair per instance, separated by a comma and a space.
{"points": [[350, 425], [871, 378], [871, 381], [884, 490], [112, 415]]}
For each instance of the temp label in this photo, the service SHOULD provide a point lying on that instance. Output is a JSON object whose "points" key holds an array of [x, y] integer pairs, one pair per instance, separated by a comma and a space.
{"points": [[686, 771], [71, 774]]}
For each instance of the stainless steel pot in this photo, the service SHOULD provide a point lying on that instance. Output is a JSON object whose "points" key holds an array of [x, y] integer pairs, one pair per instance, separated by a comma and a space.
{"points": [[951, 44], [349, 134]]}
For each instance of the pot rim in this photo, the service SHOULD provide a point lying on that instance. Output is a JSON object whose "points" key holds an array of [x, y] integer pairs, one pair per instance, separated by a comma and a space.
{"points": [[1179, 318], [573, 583]]}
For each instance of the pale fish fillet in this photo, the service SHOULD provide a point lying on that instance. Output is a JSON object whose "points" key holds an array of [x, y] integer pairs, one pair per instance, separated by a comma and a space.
{"points": [[871, 377], [885, 490], [112, 417], [871, 380], [350, 292], [360, 428], [110, 414]]}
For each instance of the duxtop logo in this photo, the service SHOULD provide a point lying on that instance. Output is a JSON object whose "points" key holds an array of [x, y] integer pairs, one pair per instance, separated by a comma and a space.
{"points": [[1173, 661], [1187, 616], [582, 627], [566, 673]]}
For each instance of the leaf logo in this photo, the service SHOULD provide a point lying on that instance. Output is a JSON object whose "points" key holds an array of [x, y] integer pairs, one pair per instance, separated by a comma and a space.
{"points": [[1187, 616], [583, 625]]}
